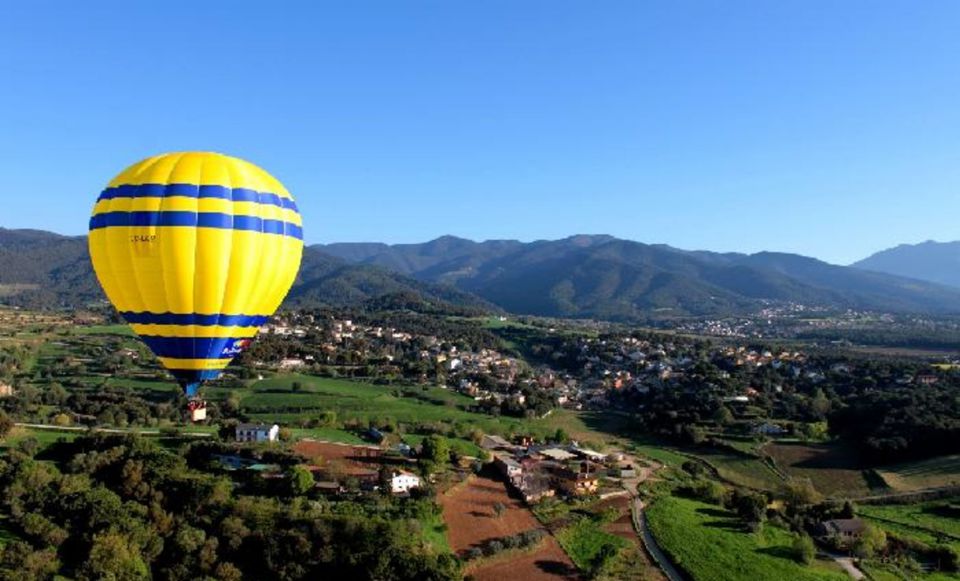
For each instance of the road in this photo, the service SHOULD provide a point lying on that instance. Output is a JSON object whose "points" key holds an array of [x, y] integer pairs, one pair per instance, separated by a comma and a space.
{"points": [[848, 565], [639, 519], [650, 543], [108, 430]]}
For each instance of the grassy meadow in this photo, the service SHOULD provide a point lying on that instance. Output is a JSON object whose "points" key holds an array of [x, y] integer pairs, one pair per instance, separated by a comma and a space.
{"points": [[709, 544]]}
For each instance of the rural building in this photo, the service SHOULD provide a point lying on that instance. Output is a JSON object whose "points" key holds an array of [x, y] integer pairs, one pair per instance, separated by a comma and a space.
{"points": [[843, 530], [588, 454], [291, 363], [374, 435], [495, 443], [329, 487], [581, 482], [557, 454], [508, 466], [768, 429], [6, 390], [401, 482], [626, 472], [257, 433]]}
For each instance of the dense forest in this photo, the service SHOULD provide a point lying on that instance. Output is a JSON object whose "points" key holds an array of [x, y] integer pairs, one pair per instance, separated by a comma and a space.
{"points": [[114, 507]]}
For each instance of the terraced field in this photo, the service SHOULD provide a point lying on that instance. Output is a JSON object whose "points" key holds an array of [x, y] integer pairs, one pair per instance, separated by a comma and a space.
{"points": [[932, 473]]}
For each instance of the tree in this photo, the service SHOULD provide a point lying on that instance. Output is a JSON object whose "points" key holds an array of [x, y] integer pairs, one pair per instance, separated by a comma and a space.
{"points": [[6, 424], [872, 540], [300, 481], [804, 551], [285, 434], [801, 492], [607, 553], [435, 450], [723, 416], [112, 556], [228, 430], [28, 446], [561, 436], [499, 509], [751, 507]]}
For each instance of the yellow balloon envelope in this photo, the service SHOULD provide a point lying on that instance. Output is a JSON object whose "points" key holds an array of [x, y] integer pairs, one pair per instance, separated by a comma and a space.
{"points": [[196, 250]]}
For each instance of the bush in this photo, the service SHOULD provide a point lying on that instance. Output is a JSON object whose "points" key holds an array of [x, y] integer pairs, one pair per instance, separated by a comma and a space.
{"points": [[493, 547], [512, 542], [708, 491], [474, 553], [804, 551], [531, 537]]}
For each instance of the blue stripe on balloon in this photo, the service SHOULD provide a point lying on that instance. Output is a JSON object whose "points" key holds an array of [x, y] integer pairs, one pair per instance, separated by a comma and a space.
{"points": [[197, 191], [190, 379], [196, 347], [145, 318], [198, 220]]}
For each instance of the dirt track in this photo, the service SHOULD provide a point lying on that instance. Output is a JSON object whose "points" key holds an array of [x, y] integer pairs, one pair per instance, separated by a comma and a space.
{"points": [[468, 512]]}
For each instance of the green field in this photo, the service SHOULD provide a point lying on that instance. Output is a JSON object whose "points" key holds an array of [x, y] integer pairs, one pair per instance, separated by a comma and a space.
{"points": [[928, 522], [583, 539], [328, 434], [710, 545], [121, 329], [44, 438], [741, 470], [888, 572], [275, 400]]}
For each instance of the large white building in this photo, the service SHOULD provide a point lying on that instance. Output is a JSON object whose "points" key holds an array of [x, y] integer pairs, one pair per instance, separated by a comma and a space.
{"points": [[402, 482], [257, 433]]}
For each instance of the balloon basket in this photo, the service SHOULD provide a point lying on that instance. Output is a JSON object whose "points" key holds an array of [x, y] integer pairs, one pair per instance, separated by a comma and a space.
{"points": [[198, 410]]}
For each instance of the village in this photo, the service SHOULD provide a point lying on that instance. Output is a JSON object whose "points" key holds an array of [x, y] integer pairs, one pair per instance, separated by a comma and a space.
{"points": [[533, 470]]}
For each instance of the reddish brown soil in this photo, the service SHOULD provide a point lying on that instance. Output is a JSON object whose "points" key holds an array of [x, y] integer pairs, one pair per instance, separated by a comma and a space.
{"points": [[468, 512]]}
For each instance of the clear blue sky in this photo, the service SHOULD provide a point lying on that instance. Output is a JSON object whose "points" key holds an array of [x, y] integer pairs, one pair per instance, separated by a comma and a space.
{"points": [[820, 127]]}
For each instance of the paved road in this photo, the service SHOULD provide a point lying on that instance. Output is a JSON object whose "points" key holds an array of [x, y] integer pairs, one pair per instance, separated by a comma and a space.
{"points": [[848, 565], [108, 430], [650, 543], [639, 519]]}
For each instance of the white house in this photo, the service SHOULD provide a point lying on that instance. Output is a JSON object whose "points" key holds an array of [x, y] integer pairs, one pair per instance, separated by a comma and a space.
{"points": [[291, 363], [402, 482], [257, 433]]}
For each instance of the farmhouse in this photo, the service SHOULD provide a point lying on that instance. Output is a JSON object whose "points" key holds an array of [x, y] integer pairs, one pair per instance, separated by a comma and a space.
{"points": [[843, 530], [257, 433], [401, 482], [6, 390]]}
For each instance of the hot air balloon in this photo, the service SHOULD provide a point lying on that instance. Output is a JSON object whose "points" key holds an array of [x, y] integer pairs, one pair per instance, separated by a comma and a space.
{"points": [[196, 251]]}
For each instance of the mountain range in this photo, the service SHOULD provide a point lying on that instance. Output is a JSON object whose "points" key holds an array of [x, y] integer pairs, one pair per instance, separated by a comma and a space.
{"points": [[931, 261], [609, 278], [598, 277]]}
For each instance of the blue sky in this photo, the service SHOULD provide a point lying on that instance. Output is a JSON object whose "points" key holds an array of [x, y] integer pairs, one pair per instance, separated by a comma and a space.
{"points": [[830, 129]]}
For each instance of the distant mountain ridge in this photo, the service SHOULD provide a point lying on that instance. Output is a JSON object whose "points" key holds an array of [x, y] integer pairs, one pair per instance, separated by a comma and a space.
{"points": [[586, 276], [931, 261], [42, 270], [609, 278]]}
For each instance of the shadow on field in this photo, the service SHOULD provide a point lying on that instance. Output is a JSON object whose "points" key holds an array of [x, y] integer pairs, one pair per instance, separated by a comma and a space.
{"points": [[716, 512], [781, 552], [556, 568]]}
